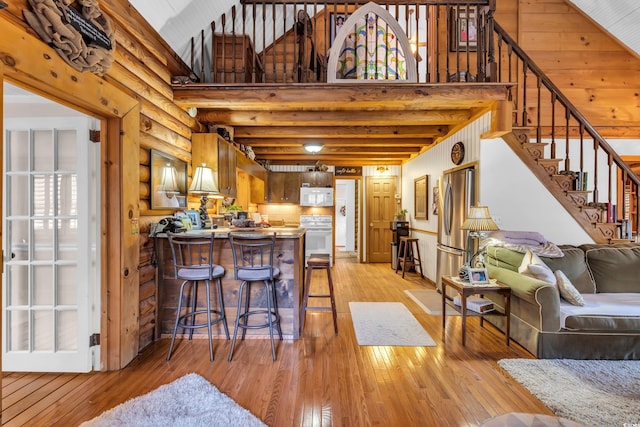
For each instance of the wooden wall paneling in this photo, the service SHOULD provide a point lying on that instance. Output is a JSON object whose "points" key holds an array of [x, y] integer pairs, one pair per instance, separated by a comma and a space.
{"points": [[1, 204], [128, 17], [148, 141], [161, 132], [139, 69], [125, 40], [598, 75], [168, 117]]}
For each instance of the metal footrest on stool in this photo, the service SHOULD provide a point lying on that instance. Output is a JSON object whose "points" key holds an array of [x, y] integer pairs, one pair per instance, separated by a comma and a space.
{"points": [[318, 262]]}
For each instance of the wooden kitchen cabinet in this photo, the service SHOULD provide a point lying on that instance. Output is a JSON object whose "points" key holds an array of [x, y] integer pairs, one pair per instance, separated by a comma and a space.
{"points": [[227, 163], [284, 187], [317, 179]]}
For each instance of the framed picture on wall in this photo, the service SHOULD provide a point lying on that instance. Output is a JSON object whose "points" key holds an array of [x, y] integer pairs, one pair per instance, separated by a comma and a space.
{"points": [[336, 21], [463, 26], [421, 196]]}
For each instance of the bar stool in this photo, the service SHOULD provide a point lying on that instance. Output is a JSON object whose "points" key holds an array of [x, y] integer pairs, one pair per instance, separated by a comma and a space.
{"points": [[253, 262], [318, 262], [193, 263], [409, 255]]}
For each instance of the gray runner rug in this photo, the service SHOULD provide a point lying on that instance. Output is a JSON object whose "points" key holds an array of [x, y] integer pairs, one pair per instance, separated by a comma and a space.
{"points": [[387, 323]]}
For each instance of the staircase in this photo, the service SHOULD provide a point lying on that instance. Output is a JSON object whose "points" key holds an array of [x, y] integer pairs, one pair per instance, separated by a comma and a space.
{"points": [[549, 132]]}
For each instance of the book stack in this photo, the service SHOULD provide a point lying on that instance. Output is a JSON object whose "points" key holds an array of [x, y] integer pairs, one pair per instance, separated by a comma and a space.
{"points": [[475, 303]]}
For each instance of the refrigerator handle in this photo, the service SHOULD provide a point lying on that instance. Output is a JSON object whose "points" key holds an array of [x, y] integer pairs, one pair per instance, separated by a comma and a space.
{"points": [[448, 209]]}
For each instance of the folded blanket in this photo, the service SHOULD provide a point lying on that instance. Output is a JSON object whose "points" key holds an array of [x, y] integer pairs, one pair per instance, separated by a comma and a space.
{"points": [[519, 237], [548, 249]]}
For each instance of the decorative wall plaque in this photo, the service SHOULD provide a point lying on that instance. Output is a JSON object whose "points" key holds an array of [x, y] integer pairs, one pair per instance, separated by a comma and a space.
{"points": [[77, 30]]}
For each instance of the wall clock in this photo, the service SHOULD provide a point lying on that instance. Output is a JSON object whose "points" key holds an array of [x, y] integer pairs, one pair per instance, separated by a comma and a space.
{"points": [[457, 153]]}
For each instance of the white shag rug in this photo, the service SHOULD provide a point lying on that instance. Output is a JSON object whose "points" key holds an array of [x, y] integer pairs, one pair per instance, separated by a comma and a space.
{"points": [[188, 401], [430, 301], [591, 392], [387, 323]]}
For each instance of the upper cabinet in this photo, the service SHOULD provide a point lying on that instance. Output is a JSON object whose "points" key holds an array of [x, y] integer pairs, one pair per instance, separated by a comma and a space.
{"points": [[317, 179], [227, 163], [284, 187]]}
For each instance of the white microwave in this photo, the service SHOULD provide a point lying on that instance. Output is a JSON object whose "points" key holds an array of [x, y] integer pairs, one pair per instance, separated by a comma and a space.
{"points": [[316, 196]]}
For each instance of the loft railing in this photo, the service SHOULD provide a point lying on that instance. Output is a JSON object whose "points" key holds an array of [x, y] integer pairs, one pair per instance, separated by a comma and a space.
{"points": [[284, 41], [541, 107]]}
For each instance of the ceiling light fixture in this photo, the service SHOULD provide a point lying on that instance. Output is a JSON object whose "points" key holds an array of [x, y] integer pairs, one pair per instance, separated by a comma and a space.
{"points": [[313, 147]]}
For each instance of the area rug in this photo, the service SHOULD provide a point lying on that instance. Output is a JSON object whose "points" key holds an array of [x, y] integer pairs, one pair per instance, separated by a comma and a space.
{"points": [[430, 301], [188, 401], [387, 323], [590, 392]]}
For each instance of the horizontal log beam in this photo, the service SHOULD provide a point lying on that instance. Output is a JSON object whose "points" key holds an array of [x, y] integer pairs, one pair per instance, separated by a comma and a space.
{"points": [[337, 142], [333, 97], [343, 132], [333, 118]]}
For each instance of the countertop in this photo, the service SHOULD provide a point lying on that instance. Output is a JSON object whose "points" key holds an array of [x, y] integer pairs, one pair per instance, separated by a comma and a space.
{"points": [[281, 232]]}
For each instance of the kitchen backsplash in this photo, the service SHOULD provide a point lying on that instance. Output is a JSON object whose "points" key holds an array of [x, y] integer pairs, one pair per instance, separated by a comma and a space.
{"points": [[290, 214]]}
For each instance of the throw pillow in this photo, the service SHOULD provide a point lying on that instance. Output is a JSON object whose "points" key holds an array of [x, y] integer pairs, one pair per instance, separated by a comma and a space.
{"points": [[567, 290], [533, 266]]}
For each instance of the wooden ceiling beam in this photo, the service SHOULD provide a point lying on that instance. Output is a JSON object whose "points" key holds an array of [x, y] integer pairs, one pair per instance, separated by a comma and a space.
{"points": [[333, 118], [337, 142], [304, 97], [347, 131]]}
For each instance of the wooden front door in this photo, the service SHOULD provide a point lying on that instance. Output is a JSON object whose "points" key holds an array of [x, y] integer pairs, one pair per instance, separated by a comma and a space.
{"points": [[381, 208]]}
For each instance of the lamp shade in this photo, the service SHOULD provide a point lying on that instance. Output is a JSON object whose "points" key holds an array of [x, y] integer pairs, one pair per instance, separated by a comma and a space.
{"points": [[169, 180], [479, 219], [203, 181]]}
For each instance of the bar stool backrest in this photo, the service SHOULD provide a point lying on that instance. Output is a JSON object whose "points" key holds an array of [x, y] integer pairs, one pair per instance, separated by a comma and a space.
{"points": [[253, 255], [192, 256]]}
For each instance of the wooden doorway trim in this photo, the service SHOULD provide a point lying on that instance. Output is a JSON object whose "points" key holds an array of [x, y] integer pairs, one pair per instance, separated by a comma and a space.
{"points": [[29, 63]]}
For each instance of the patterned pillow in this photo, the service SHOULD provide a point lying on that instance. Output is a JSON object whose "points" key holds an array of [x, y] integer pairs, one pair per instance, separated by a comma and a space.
{"points": [[533, 266], [567, 290]]}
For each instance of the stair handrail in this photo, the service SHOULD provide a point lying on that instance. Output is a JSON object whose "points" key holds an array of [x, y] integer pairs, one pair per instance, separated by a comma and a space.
{"points": [[565, 101], [571, 111]]}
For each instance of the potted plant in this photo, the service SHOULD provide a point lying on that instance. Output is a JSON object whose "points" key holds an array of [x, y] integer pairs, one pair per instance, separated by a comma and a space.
{"points": [[232, 211], [402, 215]]}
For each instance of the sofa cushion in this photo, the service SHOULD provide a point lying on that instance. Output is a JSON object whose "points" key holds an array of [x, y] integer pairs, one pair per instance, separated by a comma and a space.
{"points": [[574, 266], [533, 266], [614, 268], [618, 312], [567, 291]]}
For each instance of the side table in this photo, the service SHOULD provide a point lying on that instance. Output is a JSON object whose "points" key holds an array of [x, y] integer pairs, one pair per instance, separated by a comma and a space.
{"points": [[466, 290]]}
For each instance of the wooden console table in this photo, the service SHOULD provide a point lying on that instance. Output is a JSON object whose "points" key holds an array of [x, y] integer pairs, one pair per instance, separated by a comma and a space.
{"points": [[466, 290]]}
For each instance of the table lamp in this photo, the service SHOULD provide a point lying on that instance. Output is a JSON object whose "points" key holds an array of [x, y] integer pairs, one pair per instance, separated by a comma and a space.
{"points": [[478, 223], [204, 184]]}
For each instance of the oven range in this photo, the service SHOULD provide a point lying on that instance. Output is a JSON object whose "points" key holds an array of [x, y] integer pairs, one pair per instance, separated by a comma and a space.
{"points": [[318, 238]]}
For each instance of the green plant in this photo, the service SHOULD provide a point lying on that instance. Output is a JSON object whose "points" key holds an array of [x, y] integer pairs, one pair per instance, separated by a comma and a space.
{"points": [[233, 208], [402, 212]]}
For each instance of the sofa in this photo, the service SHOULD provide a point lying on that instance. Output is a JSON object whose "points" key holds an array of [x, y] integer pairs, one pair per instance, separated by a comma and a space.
{"points": [[607, 278]]}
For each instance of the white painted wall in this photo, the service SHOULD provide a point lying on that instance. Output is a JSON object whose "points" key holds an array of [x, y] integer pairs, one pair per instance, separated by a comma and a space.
{"points": [[516, 198]]}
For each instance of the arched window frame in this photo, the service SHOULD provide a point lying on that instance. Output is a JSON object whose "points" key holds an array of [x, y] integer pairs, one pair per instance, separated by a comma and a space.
{"points": [[371, 7]]}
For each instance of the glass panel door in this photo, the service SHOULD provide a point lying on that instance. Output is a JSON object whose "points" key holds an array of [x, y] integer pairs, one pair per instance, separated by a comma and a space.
{"points": [[51, 278]]}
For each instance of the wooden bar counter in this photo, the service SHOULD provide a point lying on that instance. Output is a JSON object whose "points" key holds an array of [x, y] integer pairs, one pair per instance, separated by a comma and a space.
{"points": [[288, 257]]}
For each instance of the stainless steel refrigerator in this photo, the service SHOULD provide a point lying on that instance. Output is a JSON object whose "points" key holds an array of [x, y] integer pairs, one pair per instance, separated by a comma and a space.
{"points": [[457, 195]]}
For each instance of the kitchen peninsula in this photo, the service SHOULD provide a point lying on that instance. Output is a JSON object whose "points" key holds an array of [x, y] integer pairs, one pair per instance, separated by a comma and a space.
{"points": [[288, 257]]}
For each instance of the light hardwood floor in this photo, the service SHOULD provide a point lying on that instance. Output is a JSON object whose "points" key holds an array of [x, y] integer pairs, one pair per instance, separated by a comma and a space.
{"points": [[319, 380]]}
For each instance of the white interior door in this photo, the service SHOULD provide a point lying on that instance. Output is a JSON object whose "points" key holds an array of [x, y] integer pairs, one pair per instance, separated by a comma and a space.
{"points": [[51, 281]]}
